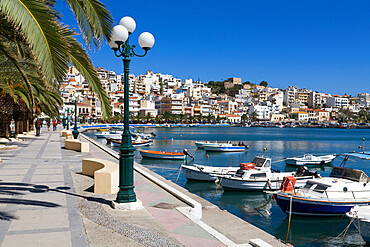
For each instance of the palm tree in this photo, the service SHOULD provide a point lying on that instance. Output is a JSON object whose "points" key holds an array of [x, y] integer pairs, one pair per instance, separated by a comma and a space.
{"points": [[35, 24], [254, 116]]}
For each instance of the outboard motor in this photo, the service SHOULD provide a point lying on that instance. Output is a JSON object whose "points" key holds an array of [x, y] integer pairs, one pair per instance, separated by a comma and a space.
{"points": [[187, 154], [303, 171]]}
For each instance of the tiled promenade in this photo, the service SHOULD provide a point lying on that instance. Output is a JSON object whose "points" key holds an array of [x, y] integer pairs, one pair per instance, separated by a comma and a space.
{"points": [[45, 201]]}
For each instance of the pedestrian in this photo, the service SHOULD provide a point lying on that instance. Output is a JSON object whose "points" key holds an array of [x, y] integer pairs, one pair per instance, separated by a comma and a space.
{"points": [[38, 125], [48, 124], [54, 124]]}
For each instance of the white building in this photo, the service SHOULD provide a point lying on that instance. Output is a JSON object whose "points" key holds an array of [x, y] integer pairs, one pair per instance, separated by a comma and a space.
{"points": [[338, 102]]}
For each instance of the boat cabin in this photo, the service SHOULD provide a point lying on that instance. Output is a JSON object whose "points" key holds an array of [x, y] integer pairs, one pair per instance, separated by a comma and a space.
{"points": [[350, 174], [259, 166]]}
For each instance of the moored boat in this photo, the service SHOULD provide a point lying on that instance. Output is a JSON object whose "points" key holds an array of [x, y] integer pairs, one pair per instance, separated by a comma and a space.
{"points": [[103, 134], [258, 176], [103, 129], [162, 155], [136, 143], [200, 144], [224, 147], [309, 159], [329, 196], [361, 220], [107, 134], [206, 173]]}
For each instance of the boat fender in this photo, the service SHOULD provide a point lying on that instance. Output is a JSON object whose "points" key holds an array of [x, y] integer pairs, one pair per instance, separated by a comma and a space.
{"points": [[247, 166], [288, 184]]}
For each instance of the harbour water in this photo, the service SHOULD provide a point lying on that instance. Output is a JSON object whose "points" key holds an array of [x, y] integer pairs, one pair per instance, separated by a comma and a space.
{"points": [[258, 208]]}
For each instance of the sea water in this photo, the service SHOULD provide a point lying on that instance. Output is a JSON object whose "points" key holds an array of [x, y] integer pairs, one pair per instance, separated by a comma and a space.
{"points": [[278, 143]]}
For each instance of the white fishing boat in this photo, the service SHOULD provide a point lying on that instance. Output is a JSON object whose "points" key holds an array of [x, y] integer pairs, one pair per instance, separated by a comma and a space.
{"points": [[200, 144], [361, 220], [258, 176], [206, 173], [152, 154], [138, 142], [103, 134], [329, 196], [224, 147], [309, 159]]}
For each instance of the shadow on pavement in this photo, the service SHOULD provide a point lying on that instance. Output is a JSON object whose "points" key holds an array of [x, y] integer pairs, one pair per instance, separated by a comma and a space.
{"points": [[19, 189]]}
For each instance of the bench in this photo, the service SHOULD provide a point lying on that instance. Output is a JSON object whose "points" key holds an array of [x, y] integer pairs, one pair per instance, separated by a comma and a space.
{"points": [[105, 174], [65, 133], [77, 145]]}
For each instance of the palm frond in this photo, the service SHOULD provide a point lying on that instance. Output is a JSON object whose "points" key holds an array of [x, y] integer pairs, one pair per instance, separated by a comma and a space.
{"points": [[94, 20], [83, 64], [37, 22], [13, 59]]}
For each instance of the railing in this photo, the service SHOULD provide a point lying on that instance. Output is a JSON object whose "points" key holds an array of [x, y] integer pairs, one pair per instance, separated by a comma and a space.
{"points": [[354, 194]]}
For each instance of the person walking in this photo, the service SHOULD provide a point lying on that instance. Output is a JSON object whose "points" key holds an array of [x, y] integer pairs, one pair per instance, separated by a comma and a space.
{"points": [[38, 125], [54, 124], [48, 124]]}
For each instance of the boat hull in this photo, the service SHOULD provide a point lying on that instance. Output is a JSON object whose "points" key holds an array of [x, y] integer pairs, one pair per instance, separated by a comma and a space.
{"points": [[115, 143], [224, 149], [313, 207], [161, 155], [200, 144], [365, 229], [195, 173], [300, 162], [230, 183]]}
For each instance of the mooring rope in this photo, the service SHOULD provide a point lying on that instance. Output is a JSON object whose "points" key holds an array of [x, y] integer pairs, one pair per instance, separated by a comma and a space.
{"points": [[290, 217]]}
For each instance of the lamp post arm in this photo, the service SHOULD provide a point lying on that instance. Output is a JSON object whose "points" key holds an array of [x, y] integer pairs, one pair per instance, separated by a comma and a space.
{"points": [[134, 54]]}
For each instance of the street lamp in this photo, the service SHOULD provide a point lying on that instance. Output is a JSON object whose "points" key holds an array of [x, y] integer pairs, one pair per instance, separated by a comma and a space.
{"points": [[121, 47], [75, 130]]}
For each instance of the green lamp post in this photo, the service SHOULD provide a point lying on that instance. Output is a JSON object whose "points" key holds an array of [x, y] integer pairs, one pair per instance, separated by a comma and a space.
{"points": [[122, 48], [75, 129], [67, 118]]}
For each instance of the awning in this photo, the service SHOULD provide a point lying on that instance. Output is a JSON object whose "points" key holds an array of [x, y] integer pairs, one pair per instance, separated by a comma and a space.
{"points": [[362, 155]]}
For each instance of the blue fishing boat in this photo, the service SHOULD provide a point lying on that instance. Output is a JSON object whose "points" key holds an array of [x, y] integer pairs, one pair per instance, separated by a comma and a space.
{"points": [[329, 196]]}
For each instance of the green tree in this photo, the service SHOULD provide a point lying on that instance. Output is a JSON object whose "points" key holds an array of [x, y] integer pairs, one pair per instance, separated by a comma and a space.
{"points": [[254, 116], [35, 24], [264, 83]]}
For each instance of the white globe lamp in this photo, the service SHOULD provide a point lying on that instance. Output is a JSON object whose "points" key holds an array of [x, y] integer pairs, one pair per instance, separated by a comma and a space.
{"points": [[129, 23], [119, 33], [146, 40]]}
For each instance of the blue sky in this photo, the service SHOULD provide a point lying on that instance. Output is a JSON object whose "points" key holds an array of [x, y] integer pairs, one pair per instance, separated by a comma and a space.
{"points": [[321, 45]]}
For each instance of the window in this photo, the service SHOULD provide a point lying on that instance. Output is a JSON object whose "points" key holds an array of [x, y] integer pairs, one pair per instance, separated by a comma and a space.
{"points": [[258, 175], [239, 173], [308, 186], [320, 188]]}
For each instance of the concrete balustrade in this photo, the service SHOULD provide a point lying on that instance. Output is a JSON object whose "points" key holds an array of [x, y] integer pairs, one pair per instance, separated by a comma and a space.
{"points": [[77, 145], [105, 173]]}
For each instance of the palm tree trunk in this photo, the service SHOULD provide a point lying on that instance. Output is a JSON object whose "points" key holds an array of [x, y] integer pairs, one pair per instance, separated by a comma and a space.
{"points": [[6, 112], [26, 124], [18, 115]]}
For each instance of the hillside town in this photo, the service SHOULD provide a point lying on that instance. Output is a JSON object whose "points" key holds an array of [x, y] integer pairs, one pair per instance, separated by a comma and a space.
{"points": [[163, 97]]}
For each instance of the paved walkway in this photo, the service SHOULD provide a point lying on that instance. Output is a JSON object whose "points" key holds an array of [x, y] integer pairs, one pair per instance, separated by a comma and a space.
{"points": [[34, 208], [46, 201]]}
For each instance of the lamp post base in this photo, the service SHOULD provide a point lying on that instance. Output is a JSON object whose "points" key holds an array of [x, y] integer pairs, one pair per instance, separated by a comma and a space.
{"points": [[75, 134], [128, 205]]}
